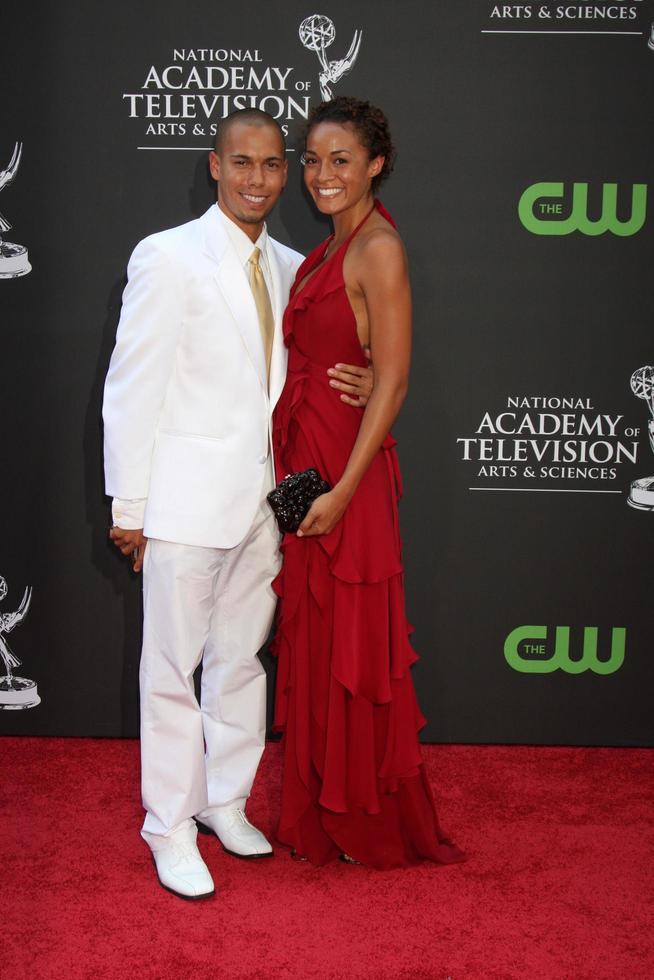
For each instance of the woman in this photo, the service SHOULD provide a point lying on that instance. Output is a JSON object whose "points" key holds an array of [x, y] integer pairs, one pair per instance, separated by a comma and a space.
{"points": [[354, 783]]}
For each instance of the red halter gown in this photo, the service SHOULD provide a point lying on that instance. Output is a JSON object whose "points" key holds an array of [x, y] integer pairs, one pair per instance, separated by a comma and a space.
{"points": [[354, 781]]}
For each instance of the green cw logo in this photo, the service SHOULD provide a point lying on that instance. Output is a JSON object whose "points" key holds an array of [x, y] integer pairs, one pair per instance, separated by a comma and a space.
{"points": [[541, 213], [524, 651]]}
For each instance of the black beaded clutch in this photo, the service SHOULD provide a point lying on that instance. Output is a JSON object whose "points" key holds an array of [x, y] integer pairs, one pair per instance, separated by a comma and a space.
{"points": [[292, 498]]}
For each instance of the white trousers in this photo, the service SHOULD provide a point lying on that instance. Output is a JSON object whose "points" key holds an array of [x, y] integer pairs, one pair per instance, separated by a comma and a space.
{"points": [[216, 606]]}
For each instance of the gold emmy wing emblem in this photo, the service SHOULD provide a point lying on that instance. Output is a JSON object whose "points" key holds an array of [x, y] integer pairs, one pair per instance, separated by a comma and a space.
{"points": [[13, 258], [317, 32], [641, 492], [15, 692]]}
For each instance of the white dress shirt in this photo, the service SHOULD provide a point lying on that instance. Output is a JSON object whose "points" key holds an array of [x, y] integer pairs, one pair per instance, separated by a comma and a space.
{"points": [[129, 514], [244, 246]]}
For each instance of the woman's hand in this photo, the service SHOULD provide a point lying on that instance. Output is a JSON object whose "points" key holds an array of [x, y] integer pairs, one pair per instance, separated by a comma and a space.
{"points": [[324, 514]]}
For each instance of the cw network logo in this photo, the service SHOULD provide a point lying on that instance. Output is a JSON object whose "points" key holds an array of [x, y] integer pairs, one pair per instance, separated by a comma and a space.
{"points": [[526, 651], [543, 212]]}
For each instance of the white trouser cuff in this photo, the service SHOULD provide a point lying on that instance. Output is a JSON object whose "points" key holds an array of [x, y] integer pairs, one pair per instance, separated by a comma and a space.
{"points": [[184, 831], [234, 805]]}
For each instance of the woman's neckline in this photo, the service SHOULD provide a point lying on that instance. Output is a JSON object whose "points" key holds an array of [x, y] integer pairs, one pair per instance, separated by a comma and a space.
{"points": [[325, 260]]}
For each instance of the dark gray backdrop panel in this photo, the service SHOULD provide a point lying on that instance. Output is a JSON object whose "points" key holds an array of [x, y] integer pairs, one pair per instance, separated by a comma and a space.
{"points": [[500, 312]]}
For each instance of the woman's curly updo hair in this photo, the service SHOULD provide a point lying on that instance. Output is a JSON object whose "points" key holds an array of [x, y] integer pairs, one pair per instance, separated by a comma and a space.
{"points": [[369, 122]]}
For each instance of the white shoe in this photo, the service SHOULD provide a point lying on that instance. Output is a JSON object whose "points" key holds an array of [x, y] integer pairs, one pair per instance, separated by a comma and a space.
{"points": [[234, 831], [179, 864]]}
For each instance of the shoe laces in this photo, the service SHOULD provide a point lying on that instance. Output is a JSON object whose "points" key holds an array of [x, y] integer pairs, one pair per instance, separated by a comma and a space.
{"points": [[184, 852]]}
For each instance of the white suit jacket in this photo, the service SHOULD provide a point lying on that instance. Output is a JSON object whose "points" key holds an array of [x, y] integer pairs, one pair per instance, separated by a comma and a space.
{"points": [[187, 411]]}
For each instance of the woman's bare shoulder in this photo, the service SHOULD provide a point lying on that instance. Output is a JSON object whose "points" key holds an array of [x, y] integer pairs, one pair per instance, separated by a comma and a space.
{"points": [[378, 241]]}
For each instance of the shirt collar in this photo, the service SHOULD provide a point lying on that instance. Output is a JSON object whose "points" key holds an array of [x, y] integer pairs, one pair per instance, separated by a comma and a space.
{"points": [[243, 245]]}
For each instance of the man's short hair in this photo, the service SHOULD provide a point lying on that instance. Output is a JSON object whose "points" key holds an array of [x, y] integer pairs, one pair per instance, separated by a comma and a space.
{"points": [[251, 117]]}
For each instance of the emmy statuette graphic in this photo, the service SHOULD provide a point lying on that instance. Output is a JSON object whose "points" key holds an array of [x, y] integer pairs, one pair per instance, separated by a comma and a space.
{"points": [[650, 40], [641, 494], [15, 692], [13, 258], [317, 32]]}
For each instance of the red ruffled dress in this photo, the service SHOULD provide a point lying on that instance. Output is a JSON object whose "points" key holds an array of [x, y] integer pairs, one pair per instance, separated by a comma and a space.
{"points": [[354, 780]]}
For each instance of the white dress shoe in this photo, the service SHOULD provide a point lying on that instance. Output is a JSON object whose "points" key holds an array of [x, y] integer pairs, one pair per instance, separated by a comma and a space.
{"points": [[234, 831], [179, 864]]}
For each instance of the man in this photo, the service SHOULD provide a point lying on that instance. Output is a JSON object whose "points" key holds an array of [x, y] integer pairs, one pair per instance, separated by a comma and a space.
{"points": [[198, 365]]}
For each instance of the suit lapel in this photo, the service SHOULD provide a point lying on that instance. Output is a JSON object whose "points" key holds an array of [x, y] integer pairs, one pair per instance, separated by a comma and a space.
{"points": [[281, 285], [235, 288], [237, 293]]}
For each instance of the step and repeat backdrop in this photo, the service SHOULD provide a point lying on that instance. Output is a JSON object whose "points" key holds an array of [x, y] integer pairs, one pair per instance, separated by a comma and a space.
{"points": [[523, 190]]}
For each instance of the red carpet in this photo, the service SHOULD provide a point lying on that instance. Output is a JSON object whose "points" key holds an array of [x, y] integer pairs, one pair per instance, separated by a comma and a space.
{"points": [[558, 883]]}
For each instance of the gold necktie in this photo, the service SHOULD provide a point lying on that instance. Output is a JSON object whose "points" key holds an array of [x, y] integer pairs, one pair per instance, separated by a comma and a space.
{"points": [[264, 308]]}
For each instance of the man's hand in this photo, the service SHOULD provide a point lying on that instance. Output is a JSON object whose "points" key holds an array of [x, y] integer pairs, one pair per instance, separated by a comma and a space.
{"points": [[131, 544], [356, 383]]}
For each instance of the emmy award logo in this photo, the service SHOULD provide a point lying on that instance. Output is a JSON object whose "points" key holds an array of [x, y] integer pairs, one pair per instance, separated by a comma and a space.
{"points": [[641, 494], [15, 692], [650, 40], [13, 258], [317, 32]]}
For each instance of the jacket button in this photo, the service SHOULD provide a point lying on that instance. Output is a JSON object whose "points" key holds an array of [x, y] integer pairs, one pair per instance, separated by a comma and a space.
{"points": [[262, 459]]}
